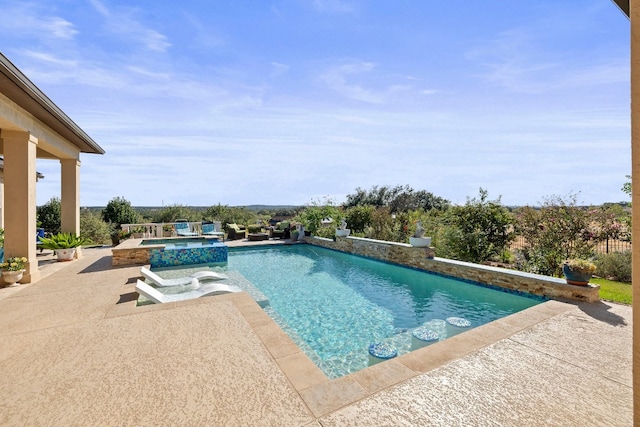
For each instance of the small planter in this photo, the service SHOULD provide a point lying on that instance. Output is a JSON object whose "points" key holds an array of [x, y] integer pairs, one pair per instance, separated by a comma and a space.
{"points": [[66, 254], [12, 277], [576, 277], [343, 233], [420, 242]]}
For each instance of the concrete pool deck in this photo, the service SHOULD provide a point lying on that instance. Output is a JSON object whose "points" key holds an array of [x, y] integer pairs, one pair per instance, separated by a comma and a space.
{"points": [[76, 351]]}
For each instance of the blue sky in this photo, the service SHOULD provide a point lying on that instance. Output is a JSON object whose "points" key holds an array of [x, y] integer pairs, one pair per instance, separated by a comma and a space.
{"points": [[293, 101]]}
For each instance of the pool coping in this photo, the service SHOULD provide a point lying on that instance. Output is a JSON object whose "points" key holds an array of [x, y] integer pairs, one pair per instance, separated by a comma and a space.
{"points": [[323, 395]]}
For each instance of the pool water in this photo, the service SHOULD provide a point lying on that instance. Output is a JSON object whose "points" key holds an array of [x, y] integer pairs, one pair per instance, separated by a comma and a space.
{"points": [[183, 243], [335, 305]]}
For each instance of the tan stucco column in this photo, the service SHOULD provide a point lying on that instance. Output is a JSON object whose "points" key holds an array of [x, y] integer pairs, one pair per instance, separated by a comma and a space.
{"points": [[70, 198], [1, 200], [20, 199], [635, 198]]}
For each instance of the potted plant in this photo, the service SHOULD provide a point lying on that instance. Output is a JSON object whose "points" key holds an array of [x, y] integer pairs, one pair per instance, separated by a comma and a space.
{"points": [[295, 233], [64, 244], [137, 232], [13, 269], [578, 271]]}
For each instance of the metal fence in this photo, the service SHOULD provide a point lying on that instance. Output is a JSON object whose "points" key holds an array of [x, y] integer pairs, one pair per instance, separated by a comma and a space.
{"points": [[605, 247]]}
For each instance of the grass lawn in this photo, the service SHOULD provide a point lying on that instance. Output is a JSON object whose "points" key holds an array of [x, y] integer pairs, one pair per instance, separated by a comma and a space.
{"points": [[614, 291]]}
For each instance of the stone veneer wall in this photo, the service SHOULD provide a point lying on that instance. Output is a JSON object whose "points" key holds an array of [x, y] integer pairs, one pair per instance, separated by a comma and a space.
{"points": [[423, 259], [130, 256]]}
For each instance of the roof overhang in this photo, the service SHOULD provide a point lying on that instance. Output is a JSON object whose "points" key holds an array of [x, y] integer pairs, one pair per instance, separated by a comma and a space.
{"points": [[19, 89], [623, 5]]}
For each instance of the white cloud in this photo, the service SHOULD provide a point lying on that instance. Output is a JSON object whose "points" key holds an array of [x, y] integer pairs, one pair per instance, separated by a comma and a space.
{"points": [[336, 78], [31, 20], [122, 22]]}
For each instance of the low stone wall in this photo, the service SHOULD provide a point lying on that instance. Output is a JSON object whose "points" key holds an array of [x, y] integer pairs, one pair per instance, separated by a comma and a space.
{"points": [[129, 252], [423, 259]]}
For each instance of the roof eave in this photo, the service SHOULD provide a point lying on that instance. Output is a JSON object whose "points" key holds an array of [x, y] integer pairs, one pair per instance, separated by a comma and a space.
{"points": [[623, 5], [17, 87]]}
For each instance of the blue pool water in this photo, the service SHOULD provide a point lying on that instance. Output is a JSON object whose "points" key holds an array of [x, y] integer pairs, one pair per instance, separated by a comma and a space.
{"points": [[334, 305]]}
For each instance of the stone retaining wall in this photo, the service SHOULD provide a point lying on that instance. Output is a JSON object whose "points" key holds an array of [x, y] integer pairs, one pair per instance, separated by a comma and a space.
{"points": [[423, 259]]}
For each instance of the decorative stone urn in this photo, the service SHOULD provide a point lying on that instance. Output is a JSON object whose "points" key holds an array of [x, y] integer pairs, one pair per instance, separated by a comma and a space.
{"points": [[342, 230], [12, 277], [417, 239], [420, 242]]}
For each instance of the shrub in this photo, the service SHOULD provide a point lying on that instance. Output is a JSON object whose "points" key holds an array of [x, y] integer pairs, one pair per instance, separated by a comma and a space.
{"points": [[615, 266], [359, 218], [482, 229], [254, 228], [559, 230], [94, 229]]}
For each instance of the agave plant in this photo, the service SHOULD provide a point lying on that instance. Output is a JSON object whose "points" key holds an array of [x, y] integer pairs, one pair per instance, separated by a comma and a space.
{"points": [[62, 241]]}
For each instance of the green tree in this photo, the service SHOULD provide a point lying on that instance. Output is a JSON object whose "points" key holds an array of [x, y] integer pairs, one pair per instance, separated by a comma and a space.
{"points": [[358, 218], [49, 214], [230, 215], [93, 228], [557, 231], [119, 211], [174, 212], [481, 229], [627, 186], [311, 217], [397, 199]]}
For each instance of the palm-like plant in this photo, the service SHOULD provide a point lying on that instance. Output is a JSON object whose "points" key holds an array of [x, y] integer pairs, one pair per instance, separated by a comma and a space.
{"points": [[62, 241]]}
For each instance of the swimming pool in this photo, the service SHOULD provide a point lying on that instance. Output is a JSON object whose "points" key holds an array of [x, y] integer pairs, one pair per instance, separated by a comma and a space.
{"points": [[334, 305], [184, 251]]}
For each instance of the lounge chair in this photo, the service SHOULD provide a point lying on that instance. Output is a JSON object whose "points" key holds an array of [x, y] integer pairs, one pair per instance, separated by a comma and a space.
{"points": [[282, 230], [39, 236], [209, 229], [158, 297], [200, 276], [182, 229], [235, 231]]}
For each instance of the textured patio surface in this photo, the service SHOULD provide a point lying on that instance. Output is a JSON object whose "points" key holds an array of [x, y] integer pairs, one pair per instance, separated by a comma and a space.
{"points": [[75, 351]]}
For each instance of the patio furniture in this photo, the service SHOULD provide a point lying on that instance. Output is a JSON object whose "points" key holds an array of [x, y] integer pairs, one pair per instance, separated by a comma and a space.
{"points": [[281, 230], [158, 297], [209, 229], [39, 236], [235, 231], [255, 237], [183, 229], [199, 276]]}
